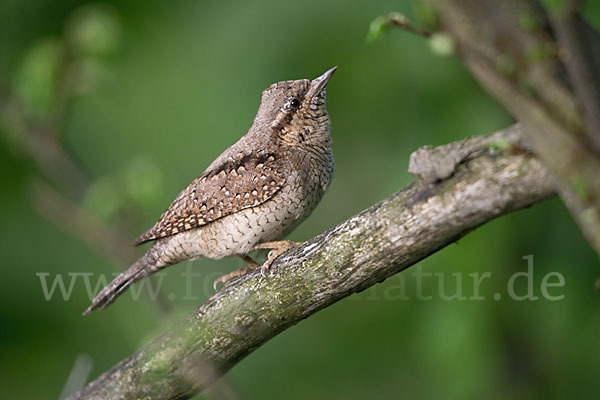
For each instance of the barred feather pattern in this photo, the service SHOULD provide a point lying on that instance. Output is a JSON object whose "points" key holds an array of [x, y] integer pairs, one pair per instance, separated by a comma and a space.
{"points": [[242, 181]]}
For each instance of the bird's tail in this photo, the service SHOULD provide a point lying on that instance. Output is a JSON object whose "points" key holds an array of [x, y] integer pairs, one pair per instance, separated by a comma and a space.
{"points": [[145, 266]]}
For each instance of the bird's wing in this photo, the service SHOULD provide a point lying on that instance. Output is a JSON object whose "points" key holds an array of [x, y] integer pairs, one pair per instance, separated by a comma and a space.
{"points": [[240, 182]]}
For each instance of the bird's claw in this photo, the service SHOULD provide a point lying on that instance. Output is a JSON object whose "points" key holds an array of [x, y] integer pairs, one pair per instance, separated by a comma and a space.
{"points": [[277, 249], [225, 278], [267, 264]]}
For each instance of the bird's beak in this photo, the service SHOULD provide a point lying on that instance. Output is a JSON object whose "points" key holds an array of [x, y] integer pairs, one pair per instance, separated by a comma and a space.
{"points": [[318, 84]]}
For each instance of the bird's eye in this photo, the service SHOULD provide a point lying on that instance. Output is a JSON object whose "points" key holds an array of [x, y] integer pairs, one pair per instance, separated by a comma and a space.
{"points": [[294, 102]]}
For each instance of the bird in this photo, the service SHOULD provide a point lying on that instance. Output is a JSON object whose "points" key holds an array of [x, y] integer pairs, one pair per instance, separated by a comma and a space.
{"points": [[251, 196]]}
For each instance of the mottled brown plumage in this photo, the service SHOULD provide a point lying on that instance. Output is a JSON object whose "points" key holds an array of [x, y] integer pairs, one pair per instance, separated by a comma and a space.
{"points": [[252, 195], [247, 180]]}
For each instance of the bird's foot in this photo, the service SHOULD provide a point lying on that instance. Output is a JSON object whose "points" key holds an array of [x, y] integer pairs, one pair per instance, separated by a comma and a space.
{"points": [[277, 249], [251, 265]]}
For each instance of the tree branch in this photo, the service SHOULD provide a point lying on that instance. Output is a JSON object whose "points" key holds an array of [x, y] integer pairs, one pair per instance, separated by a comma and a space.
{"points": [[580, 44], [509, 47], [480, 179]]}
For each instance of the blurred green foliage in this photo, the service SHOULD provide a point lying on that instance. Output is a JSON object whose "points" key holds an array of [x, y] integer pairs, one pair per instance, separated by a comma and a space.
{"points": [[158, 89], [37, 82]]}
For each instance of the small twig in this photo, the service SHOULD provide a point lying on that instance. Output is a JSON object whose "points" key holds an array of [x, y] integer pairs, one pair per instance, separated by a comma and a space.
{"points": [[78, 376], [40, 144], [77, 222], [402, 22]]}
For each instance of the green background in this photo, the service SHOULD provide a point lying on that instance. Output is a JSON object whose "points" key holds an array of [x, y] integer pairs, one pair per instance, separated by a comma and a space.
{"points": [[169, 85]]}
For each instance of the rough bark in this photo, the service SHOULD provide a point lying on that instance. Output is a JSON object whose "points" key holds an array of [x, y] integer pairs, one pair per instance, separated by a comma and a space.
{"points": [[475, 181], [542, 66]]}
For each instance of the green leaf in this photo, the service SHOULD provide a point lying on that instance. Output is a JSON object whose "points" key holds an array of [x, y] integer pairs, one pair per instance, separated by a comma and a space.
{"points": [[93, 30], [377, 29], [38, 78]]}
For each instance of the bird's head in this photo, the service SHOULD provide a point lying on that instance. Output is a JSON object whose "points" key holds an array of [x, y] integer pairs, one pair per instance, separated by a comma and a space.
{"points": [[295, 111]]}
